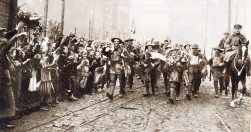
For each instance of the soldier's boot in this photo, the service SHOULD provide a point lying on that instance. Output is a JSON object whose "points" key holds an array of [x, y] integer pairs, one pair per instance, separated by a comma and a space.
{"points": [[147, 92], [153, 89], [108, 91], [172, 95], [112, 91], [216, 87], [168, 89], [189, 89], [147, 89]]}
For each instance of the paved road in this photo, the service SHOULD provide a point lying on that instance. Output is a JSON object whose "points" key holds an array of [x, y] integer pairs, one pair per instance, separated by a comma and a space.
{"points": [[136, 113]]}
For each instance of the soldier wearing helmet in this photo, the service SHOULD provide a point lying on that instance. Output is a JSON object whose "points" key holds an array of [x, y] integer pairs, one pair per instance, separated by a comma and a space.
{"points": [[194, 71]]}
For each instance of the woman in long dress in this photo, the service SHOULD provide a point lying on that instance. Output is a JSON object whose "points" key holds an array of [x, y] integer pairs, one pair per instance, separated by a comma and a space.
{"points": [[7, 103], [15, 73]]}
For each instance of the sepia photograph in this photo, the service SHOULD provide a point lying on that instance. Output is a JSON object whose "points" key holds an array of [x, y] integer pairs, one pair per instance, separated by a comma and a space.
{"points": [[125, 65]]}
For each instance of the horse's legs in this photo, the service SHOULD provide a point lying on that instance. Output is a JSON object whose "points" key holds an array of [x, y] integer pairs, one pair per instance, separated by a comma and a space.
{"points": [[236, 88], [243, 82], [233, 87]]}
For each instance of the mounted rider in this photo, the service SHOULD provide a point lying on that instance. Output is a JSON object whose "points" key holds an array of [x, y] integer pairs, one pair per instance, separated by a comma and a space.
{"points": [[232, 44]]}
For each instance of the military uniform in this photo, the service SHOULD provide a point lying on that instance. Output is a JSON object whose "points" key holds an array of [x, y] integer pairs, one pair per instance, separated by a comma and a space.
{"points": [[150, 66], [232, 44], [115, 69], [216, 63], [165, 72], [194, 72], [176, 68], [131, 56]]}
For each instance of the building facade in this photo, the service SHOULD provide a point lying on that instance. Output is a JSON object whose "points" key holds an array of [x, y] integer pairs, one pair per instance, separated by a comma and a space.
{"points": [[8, 10], [93, 19]]}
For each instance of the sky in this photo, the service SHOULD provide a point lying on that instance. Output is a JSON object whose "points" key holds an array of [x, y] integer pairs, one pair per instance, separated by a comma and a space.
{"points": [[180, 20], [185, 20]]}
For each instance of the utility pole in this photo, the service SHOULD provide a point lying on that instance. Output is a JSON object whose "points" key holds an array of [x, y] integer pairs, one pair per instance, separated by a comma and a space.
{"points": [[229, 16], [90, 29], [45, 16], [92, 34], [205, 39], [62, 17], [236, 15]]}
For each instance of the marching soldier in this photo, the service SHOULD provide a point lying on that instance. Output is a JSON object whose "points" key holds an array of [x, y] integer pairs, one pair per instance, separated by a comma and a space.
{"points": [[165, 72], [130, 58], [176, 68], [115, 68], [194, 72], [150, 66], [217, 65]]}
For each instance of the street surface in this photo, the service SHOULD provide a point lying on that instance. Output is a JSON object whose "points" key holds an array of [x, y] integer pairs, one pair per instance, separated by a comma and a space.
{"points": [[135, 113]]}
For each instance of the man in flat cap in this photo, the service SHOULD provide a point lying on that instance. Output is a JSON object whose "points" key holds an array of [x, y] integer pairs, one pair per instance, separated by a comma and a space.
{"points": [[232, 44]]}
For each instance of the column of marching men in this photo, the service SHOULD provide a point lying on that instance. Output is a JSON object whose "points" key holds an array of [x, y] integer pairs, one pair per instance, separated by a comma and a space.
{"points": [[70, 69]]}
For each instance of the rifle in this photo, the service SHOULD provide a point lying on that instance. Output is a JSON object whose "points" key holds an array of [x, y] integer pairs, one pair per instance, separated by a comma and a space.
{"points": [[210, 73]]}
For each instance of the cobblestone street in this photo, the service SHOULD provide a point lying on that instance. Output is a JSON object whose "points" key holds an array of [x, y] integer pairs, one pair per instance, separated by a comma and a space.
{"points": [[134, 112]]}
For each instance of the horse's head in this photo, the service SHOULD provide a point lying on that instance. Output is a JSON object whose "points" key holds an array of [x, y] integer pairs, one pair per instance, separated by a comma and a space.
{"points": [[243, 52]]}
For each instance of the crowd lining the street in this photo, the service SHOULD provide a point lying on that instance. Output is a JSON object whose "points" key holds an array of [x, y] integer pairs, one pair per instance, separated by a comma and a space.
{"points": [[76, 66]]}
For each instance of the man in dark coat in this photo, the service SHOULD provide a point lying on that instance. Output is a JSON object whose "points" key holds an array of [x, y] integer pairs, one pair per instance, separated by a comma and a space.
{"points": [[150, 68]]}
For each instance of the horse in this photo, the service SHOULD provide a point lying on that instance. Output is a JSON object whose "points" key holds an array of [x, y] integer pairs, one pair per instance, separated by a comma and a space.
{"points": [[238, 72]]}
